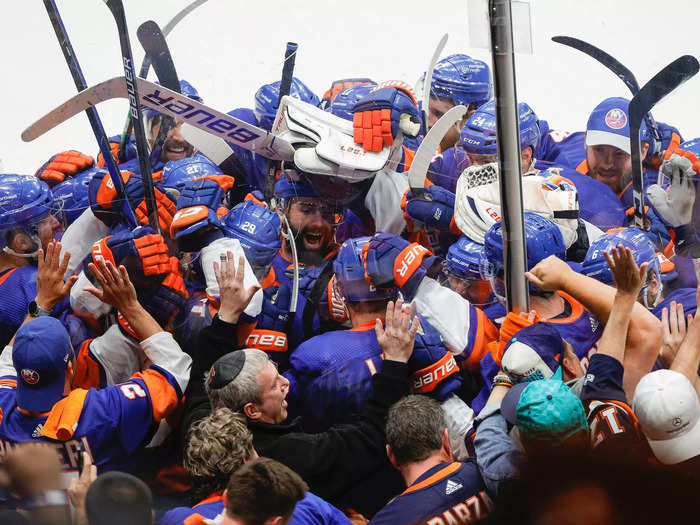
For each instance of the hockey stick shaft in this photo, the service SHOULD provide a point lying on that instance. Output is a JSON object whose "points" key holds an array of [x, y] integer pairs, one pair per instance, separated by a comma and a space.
{"points": [[155, 46], [93, 116], [662, 84], [117, 9], [290, 55], [146, 65]]}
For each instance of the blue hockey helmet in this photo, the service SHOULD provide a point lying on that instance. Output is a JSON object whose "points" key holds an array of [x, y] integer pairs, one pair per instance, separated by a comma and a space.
{"points": [[542, 239], [349, 271], [463, 79], [267, 100], [176, 173], [186, 89], [24, 201], [478, 136], [258, 229], [290, 185], [692, 146], [342, 104], [463, 269], [72, 197], [595, 264]]}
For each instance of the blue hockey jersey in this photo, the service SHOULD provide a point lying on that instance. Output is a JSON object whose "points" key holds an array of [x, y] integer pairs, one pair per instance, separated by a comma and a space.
{"points": [[18, 289], [311, 510], [330, 375], [448, 493], [685, 296]]}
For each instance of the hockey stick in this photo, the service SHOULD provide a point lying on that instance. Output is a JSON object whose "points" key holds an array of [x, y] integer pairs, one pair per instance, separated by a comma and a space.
{"points": [[146, 65], [663, 83], [93, 116], [177, 106], [428, 81], [616, 67], [117, 9], [155, 46]]}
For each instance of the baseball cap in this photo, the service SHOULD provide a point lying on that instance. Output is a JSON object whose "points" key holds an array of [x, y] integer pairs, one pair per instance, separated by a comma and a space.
{"points": [[545, 410], [40, 355], [609, 125], [669, 413], [534, 353], [226, 369]]}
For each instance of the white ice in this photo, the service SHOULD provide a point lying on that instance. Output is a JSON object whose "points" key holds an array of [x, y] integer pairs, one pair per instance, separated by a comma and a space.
{"points": [[227, 48]]}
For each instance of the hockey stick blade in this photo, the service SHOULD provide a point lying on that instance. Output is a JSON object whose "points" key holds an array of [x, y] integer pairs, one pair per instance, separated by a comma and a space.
{"points": [[146, 64], [604, 58], [663, 83], [428, 80], [170, 103], [429, 146]]}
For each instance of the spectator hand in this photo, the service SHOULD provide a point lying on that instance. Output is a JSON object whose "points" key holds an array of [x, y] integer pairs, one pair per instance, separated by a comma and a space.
{"points": [[396, 340], [234, 298], [50, 286], [117, 289], [32, 468], [628, 277], [673, 325], [549, 274], [78, 488]]}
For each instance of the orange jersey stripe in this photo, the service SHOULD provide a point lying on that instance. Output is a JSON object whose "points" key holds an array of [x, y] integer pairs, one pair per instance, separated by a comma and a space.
{"points": [[163, 396], [440, 474]]}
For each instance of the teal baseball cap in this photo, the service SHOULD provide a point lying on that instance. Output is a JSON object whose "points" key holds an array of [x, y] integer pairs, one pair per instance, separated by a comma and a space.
{"points": [[545, 410]]}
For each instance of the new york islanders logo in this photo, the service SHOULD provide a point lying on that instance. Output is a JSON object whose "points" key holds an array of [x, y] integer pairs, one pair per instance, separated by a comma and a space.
{"points": [[30, 376], [616, 118]]}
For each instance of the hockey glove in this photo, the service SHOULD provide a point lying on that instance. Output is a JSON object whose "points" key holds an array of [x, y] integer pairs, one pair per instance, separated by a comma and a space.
{"points": [[434, 370], [257, 197], [389, 108], [141, 251], [201, 204], [435, 211], [165, 205], [104, 201], [670, 140], [392, 260], [62, 165]]}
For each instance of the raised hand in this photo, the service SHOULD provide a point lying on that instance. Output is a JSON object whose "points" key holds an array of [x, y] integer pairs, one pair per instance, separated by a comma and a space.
{"points": [[629, 278], [673, 325], [397, 338], [234, 297], [549, 274], [117, 289], [50, 286]]}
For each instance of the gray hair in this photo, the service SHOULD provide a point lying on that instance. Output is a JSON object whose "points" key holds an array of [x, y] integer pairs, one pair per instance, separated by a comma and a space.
{"points": [[244, 388], [414, 428]]}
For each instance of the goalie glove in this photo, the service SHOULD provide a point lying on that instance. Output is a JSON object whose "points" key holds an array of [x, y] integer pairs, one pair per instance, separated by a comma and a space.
{"points": [[63, 165], [389, 108]]}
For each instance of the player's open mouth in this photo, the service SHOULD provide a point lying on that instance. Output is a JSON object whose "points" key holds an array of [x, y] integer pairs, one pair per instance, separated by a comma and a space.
{"points": [[312, 240], [175, 150]]}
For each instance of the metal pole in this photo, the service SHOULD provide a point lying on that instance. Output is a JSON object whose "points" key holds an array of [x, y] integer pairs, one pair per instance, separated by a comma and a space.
{"points": [[508, 133]]}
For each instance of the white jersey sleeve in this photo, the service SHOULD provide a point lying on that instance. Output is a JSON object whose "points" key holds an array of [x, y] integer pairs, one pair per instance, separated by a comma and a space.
{"points": [[85, 231], [118, 355], [163, 351]]}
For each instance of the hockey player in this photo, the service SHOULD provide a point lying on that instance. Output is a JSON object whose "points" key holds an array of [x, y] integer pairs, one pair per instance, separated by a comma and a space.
{"points": [[330, 375], [26, 225], [112, 424], [457, 79], [463, 270]]}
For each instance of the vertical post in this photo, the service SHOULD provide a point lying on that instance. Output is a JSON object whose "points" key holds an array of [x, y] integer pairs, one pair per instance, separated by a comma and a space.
{"points": [[510, 172]]}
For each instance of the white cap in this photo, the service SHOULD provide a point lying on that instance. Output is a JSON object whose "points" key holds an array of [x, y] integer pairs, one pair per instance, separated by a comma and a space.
{"points": [[596, 137], [669, 412]]}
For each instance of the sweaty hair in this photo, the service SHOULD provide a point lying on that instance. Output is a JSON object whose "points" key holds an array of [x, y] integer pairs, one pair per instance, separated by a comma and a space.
{"points": [[244, 388], [216, 447], [414, 428], [116, 498], [263, 489]]}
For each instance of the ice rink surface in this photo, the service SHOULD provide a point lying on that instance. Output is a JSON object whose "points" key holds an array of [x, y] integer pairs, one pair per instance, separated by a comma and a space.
{"points": [[227, 48]]}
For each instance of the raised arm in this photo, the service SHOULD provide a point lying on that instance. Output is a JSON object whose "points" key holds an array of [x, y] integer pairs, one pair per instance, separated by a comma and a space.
{"points": [[687, 359]]}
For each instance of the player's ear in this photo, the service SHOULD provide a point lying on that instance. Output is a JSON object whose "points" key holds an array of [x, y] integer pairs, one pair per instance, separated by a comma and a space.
{"points": [[446, 449], [392, 458]]}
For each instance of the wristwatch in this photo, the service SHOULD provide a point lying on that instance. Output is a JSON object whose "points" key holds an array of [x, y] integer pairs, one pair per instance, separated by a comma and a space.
{"points": [[36, 311]]}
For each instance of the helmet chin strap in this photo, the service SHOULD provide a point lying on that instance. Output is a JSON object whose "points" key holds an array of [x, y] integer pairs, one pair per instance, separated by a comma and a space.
{"points": [[30, 255]]}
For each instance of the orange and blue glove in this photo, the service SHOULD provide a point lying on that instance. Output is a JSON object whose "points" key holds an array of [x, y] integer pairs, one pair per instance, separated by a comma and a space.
{"points": [[141, 251], [64, 165], [387, 109]]}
